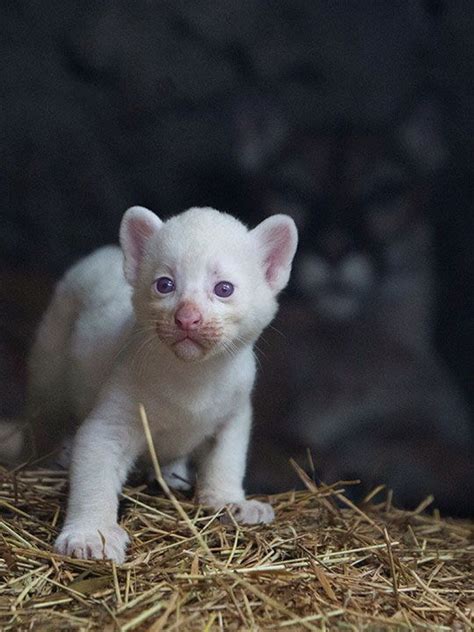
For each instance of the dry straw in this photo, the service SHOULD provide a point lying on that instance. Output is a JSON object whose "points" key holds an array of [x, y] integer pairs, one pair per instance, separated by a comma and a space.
{"points": [[324, 564]]}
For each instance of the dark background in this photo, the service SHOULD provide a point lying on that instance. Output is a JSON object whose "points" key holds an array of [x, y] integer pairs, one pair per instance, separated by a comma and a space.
{"points": [[109, 104]]}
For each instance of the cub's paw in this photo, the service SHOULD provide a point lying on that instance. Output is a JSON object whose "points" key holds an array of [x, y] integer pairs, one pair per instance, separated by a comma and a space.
{"points": [[63, 457], [87, 543], [250, 512], [177, 475]]}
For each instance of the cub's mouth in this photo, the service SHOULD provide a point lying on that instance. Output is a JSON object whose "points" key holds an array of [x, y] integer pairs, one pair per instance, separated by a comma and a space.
{"points": [[190, 345]]}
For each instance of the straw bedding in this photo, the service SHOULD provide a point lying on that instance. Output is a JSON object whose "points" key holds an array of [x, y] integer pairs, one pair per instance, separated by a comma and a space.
{"points": [[324, 564]]}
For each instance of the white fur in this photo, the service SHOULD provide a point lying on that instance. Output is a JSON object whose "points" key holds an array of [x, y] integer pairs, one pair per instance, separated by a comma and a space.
{"points": [[105, 346]]}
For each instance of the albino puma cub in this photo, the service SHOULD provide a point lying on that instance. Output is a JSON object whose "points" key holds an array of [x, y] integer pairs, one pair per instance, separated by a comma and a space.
{"points": [[175, 334]]}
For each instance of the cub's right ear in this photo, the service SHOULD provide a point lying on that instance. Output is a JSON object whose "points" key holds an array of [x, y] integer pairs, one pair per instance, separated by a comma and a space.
{"points": [[138, 226]]}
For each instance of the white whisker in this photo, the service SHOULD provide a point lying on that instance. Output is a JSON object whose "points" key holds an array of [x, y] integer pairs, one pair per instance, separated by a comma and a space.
{"points": [[142, 353], [131, 338], [278, 331], [257, 350]]}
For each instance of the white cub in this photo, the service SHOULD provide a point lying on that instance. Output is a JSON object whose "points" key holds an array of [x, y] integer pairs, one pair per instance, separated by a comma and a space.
{"points": [[174, 334]]}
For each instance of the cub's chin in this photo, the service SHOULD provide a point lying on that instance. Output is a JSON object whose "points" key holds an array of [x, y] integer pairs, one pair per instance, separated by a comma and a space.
{"points": [[189, 350]]}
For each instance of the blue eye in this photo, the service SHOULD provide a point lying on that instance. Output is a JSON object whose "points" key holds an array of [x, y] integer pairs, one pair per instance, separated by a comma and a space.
{"points": [[223, 289], [164, 285]]}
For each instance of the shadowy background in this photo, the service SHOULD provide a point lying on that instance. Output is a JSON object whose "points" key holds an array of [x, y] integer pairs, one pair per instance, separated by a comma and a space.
{"points": [[355, 117]]}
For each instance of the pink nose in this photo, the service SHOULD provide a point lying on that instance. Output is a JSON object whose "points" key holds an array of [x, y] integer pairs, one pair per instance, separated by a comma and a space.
{"points": [[188, 317]]}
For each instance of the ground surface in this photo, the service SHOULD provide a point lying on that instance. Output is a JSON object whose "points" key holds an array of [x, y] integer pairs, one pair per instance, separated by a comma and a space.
{"points": [[322, 565]]}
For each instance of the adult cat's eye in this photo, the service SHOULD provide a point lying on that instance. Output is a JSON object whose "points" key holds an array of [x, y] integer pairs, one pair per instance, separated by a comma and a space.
{"points": [[223, 289], [164, 285]]}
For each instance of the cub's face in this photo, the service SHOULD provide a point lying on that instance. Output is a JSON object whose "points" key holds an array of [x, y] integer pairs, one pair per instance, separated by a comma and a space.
{"points": [[204, 284]]}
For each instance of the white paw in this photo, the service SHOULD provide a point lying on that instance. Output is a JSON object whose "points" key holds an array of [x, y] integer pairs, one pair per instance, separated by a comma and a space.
{"points": [[250, 512], [85, 542], [177, 475]]}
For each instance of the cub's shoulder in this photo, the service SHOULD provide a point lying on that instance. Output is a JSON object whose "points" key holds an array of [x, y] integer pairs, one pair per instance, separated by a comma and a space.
{"points": [[97, 274]]}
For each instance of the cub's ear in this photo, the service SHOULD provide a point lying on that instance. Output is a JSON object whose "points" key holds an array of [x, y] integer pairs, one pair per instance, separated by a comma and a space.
{"points": [[138, 226], [277, 238]]}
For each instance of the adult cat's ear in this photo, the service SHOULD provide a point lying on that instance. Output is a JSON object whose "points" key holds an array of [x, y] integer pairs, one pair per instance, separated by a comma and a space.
{"points": [[138, 226], [260, 131], [277, 238]]}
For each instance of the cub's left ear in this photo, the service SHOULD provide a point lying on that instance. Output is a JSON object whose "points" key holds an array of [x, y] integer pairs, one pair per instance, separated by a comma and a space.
{"points": [[277, 238], [138, 226]]}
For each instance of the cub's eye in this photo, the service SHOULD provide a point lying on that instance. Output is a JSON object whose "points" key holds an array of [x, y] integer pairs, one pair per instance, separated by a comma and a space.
{"points": [[223, 289], [164, 285]]}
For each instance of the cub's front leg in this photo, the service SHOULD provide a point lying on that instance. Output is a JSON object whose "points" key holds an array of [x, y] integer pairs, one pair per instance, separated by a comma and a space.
{"points": [[103, 452], [221, 470]]}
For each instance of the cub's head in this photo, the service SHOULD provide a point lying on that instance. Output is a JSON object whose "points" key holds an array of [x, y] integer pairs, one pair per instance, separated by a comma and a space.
{"points": [[201, 280]]}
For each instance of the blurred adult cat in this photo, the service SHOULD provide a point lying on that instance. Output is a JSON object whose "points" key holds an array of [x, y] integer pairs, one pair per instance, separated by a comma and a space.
{"points": [[353, 375]]}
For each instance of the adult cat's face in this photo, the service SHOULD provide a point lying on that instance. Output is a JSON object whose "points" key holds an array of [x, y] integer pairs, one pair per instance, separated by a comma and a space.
{"points": [[336, 275], [329, 179], [353, 200], [204, 283]]}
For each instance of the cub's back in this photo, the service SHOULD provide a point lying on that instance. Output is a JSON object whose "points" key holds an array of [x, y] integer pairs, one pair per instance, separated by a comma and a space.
{"points": [[97, 279], [103, 298]]}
